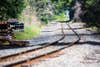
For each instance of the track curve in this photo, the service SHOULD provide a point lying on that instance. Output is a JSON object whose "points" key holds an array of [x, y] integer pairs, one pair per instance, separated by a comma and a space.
{"points": [[46, 46]]}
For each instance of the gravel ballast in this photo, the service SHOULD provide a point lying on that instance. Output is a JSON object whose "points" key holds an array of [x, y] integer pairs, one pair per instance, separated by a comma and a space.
{"points": [[84, 54]]}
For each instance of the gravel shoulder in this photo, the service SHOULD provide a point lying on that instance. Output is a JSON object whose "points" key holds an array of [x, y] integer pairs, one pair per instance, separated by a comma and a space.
{"points": [[84, 54], [48, 34]]}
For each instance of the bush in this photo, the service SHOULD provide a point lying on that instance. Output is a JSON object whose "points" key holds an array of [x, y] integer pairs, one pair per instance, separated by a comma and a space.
{"points": [[11, 8]]}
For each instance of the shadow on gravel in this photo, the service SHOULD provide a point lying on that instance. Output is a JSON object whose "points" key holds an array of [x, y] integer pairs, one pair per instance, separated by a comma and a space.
{"points": [[84, 34], [75, 28], [79, 43], [15, 47], [89, 42], [10, 47], [57, 44], [61, 44]]}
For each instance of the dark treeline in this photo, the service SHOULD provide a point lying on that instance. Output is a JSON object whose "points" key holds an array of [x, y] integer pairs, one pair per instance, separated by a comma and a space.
{"points": [[11, 8], [88, 13]]}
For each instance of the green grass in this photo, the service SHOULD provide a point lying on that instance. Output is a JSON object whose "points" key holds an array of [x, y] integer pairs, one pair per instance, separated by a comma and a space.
{"points": [[60, 17], [95, 28], [29, 32]]}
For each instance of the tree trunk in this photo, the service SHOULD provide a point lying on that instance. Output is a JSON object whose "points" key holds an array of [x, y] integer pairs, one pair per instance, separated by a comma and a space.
{"points": [[78, 11]]}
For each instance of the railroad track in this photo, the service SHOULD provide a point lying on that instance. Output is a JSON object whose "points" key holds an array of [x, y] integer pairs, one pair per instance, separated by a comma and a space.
{"points": [[29, 56]]}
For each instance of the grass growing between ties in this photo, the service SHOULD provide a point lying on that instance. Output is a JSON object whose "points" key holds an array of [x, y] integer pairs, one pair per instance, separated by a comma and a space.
{"points": [[29, 32]]}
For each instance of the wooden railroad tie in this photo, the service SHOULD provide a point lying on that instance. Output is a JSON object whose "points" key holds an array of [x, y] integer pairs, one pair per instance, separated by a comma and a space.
{"points": [[6, 34]]}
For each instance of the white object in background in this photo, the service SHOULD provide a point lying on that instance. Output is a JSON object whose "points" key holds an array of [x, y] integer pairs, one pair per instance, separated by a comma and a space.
{"points": [[67, 14]]}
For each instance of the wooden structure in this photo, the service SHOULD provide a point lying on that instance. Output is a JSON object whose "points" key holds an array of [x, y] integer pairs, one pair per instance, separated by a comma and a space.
{"points": [[7, 35]]}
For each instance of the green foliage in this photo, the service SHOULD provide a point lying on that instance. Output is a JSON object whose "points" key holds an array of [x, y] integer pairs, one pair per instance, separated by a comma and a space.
{"points": [[59, 17], [89, 3], [29, 32], [54, 9], [11, 8], [92, 13], [47, 9], [42, 8]]}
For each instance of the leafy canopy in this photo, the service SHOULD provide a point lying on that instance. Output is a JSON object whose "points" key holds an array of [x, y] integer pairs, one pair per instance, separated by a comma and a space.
{"points": [[11, 8], [47, 9]]}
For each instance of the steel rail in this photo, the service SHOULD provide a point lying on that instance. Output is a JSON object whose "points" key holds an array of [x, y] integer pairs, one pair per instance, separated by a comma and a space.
{"points": [[45, 45], [31, 50], [63, 36]]}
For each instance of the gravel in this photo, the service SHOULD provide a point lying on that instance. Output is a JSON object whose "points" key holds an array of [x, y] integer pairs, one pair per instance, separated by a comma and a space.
{"points": [[84, 54], [49, 33], [44, 37], [31, 55], [6, 52]]}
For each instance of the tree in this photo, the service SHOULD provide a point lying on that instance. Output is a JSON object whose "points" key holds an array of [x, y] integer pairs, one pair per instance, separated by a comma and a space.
{"points": [[88, 11], [11, 8], [47, 9], [84, 10], [42, 8]]}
